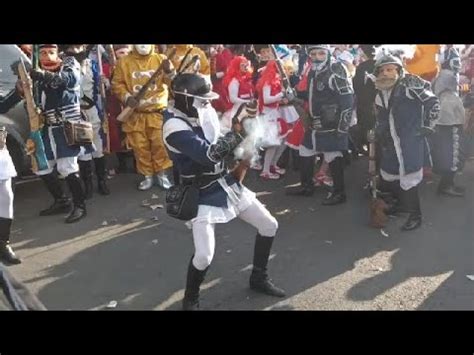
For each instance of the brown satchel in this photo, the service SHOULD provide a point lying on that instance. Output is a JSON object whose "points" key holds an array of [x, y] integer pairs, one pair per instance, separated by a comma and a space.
{"points": [[78, 132]]}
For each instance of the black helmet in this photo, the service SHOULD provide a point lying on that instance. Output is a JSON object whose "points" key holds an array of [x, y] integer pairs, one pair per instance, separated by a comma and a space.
{"points": [[310, 47], [387, 59], [193, 85]]}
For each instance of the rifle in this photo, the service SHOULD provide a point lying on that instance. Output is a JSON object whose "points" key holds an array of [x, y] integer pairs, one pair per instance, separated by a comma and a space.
{"points": [[297, 103], [284, 76], [34, 143], [103, 98], [112, 57], [128, 111], [35, 63], [377, 206]]}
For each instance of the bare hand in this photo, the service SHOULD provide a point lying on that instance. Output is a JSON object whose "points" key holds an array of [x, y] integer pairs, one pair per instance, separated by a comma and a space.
{"points": [[105, 81], [168, 66], [19, 88], [237, 128], [131, 102]]}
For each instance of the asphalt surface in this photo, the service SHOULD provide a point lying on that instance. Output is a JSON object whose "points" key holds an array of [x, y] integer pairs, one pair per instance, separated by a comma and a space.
{"points": [[326, 258]]}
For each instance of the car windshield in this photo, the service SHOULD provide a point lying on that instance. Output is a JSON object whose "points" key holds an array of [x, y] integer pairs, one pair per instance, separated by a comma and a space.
{"points": [[9, 54]]}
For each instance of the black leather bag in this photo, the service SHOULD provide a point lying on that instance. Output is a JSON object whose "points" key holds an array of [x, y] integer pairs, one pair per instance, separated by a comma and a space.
{"points": [[182, 201]]}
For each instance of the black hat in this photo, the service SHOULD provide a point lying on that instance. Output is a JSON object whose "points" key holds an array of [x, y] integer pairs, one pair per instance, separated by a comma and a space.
{"points": [[193, 85]]}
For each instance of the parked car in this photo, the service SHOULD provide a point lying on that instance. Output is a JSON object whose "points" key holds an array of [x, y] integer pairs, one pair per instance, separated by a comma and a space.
{"points": [[13, 114]]}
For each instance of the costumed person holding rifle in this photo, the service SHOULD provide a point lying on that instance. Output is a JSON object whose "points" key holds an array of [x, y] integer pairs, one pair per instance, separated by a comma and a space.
{"points": [[114, 106], [63, 133], [192, 135], [330, 100], [145, 96], [91, 111], [407, 111]]}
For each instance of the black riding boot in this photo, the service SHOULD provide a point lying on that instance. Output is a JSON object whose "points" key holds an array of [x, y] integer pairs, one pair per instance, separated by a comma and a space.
{"points": [[411, 202], [62, 204], [122, 162], [306, 165], [79, 207], [338, 194], [259, 280], [85, 171], [446, 186], [194, 280], [101, 176]]}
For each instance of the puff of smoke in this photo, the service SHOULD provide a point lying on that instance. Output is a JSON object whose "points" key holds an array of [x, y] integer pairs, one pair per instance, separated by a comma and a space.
{"points": [[259, 135], [403, 51]]}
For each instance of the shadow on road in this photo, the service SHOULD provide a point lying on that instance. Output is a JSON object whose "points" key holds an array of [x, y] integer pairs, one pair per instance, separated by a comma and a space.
{"points": [[141, 263]]}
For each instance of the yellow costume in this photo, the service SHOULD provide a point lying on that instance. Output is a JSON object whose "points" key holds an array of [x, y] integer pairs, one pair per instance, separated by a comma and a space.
{"points": [[144, 127], [425, 61]]}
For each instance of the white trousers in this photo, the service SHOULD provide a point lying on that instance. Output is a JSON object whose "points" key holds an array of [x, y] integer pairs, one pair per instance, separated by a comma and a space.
{"points": [[65, 166], [204, 237], [6, 199]]}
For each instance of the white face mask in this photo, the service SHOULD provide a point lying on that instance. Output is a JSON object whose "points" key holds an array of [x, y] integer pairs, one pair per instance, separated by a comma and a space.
{"points": [[143, 49], [208, 119]]}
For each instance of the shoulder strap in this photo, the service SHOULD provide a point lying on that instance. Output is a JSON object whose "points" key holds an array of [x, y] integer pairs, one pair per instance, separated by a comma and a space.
{"points": [[200, 170]]}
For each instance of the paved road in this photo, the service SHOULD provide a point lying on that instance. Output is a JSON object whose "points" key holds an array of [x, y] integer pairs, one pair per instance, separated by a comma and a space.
{"points": [[325, 257]]}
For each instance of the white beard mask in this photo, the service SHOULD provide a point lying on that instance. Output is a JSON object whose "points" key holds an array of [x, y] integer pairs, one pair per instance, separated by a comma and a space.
{"points": [[143, 49], [208, 119]]}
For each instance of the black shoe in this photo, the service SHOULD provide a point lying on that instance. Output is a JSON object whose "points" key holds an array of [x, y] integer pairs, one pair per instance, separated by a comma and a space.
{"points": [[7, 255], [302, 191], [413, 222], [451, 191], [76, 214], [334, 199], [58, 207], [260, 282]]}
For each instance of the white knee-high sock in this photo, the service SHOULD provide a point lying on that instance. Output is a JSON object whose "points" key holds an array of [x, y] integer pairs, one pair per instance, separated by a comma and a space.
{"points": [[279, 151], [269, 154]]}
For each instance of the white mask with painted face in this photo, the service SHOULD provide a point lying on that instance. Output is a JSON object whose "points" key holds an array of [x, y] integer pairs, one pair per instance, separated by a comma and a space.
{"points": [[208, 119], [143, 49]]}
